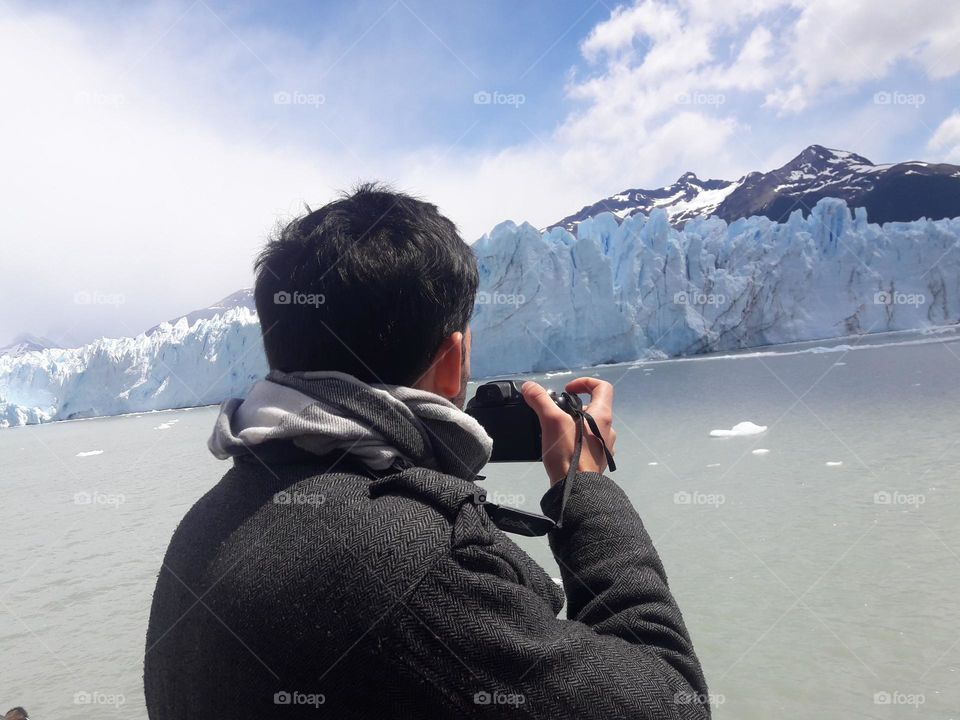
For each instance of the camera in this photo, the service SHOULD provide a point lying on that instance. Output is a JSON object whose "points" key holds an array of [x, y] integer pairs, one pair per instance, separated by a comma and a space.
{"points": [[515, 428]]}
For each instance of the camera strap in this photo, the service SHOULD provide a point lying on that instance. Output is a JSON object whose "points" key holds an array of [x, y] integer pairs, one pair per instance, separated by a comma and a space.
{"points": [[574, 406], [518, 522]]}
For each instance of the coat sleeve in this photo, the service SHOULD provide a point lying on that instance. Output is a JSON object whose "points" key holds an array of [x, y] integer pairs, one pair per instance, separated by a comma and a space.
{"points": [[478, 628]]}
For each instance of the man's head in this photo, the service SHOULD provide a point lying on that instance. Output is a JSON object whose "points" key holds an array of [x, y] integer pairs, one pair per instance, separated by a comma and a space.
{"points": [[17, 713], [376, 284]]}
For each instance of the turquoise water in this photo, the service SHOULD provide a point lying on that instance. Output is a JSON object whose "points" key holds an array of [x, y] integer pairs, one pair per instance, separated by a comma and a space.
{"points": [[811, 590]]}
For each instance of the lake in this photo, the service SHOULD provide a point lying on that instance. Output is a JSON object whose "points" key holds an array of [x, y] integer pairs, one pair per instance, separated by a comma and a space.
{"points": [[820, 578]]}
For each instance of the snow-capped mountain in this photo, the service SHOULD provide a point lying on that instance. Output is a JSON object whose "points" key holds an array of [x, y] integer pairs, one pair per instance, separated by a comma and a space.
{"points": [[687, 198], [25, 342], [903, 191], [620, 290], [239, 299]]}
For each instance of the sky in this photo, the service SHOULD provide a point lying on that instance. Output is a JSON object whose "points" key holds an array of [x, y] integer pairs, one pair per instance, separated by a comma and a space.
{"points": [[150, 148]]}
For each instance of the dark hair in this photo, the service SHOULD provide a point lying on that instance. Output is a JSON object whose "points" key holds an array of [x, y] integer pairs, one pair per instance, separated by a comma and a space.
{"points": [[17, 713], [369, 285]]}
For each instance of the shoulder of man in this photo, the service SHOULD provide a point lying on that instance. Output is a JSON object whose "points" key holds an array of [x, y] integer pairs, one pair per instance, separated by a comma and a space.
{"points": [[421, 494], [384, 530], [474, 540], [417, 520]]}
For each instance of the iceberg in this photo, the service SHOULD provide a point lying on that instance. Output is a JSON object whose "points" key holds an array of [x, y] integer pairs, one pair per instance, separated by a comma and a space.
{"points": [[741, 429], [554, 301]]}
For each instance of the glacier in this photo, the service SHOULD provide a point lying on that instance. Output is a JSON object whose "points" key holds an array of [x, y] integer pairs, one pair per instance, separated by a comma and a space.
{"points": [[613, 292], [175, 365], [643, 289]]}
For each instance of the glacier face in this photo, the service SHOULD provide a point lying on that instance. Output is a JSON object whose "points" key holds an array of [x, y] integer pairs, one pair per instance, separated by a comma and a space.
{"points": [[552, 300], [176, 365], [644, 289]]}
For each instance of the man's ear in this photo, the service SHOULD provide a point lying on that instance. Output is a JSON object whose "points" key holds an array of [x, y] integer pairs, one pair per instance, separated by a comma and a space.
{"points": [[443, 377]]}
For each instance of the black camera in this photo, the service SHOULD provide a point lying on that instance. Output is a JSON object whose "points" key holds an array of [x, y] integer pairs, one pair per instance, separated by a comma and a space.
{"points": [[515, 428]]}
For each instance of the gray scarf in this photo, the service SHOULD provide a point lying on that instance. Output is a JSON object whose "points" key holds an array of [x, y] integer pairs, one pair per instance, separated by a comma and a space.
{"points": [[382, 425]]}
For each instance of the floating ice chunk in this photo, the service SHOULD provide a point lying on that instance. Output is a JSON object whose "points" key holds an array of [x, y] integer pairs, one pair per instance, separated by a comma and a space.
{"points": [[714, 465], [834, 463], [90, 453], [651, 464], [741, 429], [760, 451], [163, 426]]}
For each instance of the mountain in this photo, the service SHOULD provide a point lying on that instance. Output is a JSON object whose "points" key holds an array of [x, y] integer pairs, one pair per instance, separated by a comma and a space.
{"points": [[687, 198], [25, 342], [241, 298], [904, 191], [619, 291]]}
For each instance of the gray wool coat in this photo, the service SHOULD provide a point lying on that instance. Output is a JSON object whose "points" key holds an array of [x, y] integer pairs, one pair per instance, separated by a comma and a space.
{"points": [[301, 587]]}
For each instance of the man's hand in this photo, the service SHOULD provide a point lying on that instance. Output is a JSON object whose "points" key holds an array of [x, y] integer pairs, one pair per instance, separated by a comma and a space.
{"points": [[560, 431]]}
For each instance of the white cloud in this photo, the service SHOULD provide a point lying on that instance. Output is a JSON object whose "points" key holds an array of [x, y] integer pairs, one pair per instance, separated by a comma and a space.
{"points": [[626, 24], [946, 139], [843, 44], [105, 193], [659, 104]]}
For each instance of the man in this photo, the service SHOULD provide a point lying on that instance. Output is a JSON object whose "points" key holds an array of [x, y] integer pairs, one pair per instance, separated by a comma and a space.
{"points": [[345, 565], [17, 713]]}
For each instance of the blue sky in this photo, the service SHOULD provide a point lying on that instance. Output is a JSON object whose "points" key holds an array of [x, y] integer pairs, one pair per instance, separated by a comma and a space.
{"points": [[154, 145]]}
